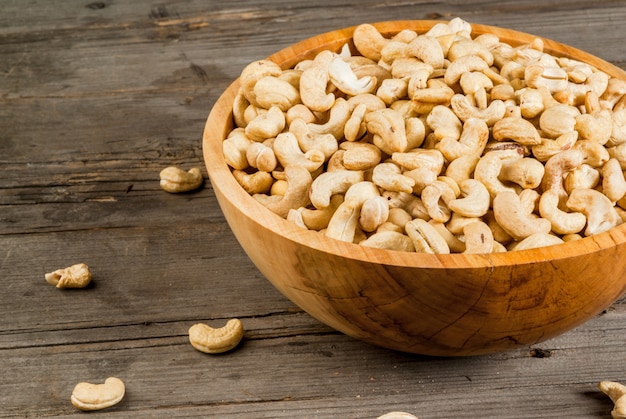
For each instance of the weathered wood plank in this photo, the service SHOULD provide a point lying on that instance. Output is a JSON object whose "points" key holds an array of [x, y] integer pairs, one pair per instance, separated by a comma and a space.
{"points": [[96, 97]]}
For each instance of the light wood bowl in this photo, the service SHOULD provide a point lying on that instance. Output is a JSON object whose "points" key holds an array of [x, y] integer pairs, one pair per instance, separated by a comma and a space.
{"points": [[442, 305]]}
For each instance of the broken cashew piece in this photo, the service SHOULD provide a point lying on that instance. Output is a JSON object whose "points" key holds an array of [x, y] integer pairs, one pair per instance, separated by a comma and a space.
{"points": [[216, 340], [76, 276], [87, 396], [617, 394], [175, 180]]}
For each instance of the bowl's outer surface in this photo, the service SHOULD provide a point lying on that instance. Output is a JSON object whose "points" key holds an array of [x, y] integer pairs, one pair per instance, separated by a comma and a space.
{"points": [[443, 305]]}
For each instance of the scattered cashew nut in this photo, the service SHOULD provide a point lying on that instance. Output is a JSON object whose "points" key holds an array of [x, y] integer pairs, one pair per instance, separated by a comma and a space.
{"points": [[87, 396], [75, 276], [617, 393], [176, 180], [216, 340]]}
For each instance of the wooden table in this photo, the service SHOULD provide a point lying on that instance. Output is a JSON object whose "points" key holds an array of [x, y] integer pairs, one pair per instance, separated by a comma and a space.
{"points": [[96, 97]]}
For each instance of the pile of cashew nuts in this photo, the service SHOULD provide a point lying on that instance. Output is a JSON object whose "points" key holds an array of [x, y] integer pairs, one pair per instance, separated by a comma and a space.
{"points": [[440, 142]]}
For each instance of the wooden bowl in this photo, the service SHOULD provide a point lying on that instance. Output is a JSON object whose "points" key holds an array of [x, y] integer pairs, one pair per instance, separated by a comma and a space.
{"points": [[442, 305]]}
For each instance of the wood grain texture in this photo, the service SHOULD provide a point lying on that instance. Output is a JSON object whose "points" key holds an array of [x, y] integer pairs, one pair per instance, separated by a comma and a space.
{"points": [[96, 97]]}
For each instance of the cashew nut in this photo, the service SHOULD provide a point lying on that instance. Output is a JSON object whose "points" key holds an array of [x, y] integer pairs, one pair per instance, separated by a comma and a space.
{"points": [[87, 396], [299, 181], [562, 222], [478, 238], [613, 182], [368, 41], [555, 169], [526, 172], [425, 238], [176, 180], [536, 240], [216, 340], [374, 212], [600, 212], [259, 182], [271, 91], [473, 140], [389, 177], [261, 157], [75, 276], [328, 184], [235, 147], [509, 213], [475, 200], [616, 392], [436, 198], [342, 76], [288, 153], [390, 240], [517, 129], [266, 125]]}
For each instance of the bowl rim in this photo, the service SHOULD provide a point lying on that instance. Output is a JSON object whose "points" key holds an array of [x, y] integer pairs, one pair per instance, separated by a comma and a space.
{"points": [[219, 123]]}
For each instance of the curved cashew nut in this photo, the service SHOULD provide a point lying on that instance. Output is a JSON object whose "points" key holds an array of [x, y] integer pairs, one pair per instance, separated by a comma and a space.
{"points": [[517, 129], [536, 240], [435, 198], [328, 184], [462, 167], [355, 126], [266, 125], [87, 396], [462, 65], [390, 240], [259, 182], [389, 177], [555, 79], [313, 82], [475, 199], [176, 180], [273, 91], [596, 126], [427, 49], [478, 238], [464, 109], [261, 157], [594, 153], [388, 128], [526, 172], [430, 159], [600, 212], [234, 148], [613, 182], [318, 219], [392, 90], [444, 123], [425, 238], [509, 213], [307, 140], [474, 138], [562, 222], [488, 170], [252, 73], [216, 340], [616, 392], [288, 153], [555, 169], [374, 212], [368, 41], [339, 115], [75, 276], [299, 182], [344, 222], [468, 47], [476, 85], [342, 76]]}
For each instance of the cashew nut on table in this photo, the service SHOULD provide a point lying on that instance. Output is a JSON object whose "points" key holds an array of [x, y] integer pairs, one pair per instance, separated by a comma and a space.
{"points": [[437, 142], [75, 276], [216, 340], [617, 394], [88, 396]]}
